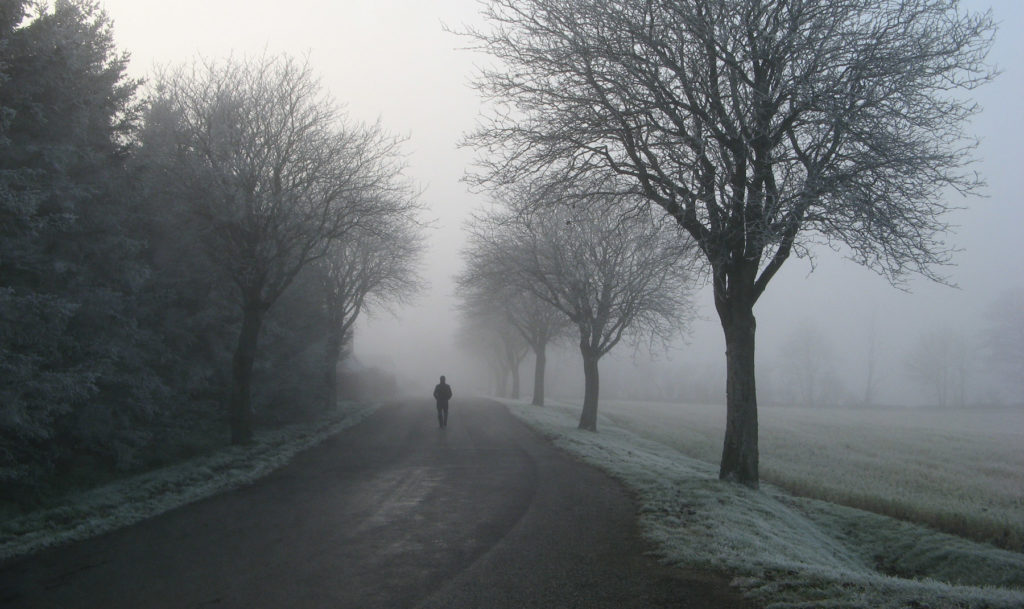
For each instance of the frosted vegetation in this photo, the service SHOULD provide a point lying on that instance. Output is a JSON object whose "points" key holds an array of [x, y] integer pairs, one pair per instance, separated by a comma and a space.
{"points": [[960, 471], [784, 550], [136, 498]]}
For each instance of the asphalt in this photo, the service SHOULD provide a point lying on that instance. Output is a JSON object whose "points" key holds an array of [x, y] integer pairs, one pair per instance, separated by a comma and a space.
{"points": [[394, 513]]}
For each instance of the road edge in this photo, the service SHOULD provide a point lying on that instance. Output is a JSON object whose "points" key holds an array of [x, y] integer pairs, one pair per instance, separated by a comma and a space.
{"points": [[136, 498]]}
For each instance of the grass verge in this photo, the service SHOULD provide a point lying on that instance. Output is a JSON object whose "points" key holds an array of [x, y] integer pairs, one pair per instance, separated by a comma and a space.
{"points": [[959, 471], [129, 500], [785, 551]]}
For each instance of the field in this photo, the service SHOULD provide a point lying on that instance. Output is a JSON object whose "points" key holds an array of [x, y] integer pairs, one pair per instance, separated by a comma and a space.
{"points": [[961, 471], [782, 550]]}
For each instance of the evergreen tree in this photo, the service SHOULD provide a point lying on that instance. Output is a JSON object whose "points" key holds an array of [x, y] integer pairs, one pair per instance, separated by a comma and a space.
{"points": [[73, 359]]}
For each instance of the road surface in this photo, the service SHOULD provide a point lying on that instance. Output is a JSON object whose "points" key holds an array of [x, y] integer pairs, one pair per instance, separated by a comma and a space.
{"points": [[393, 513]]}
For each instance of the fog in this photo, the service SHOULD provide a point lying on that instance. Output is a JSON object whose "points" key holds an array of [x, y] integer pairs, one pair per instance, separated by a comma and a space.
{"points": [[392, 60]]}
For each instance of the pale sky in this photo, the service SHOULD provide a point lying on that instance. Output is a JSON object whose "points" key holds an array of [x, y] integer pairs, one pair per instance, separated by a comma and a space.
{"points": [[391, 59]]}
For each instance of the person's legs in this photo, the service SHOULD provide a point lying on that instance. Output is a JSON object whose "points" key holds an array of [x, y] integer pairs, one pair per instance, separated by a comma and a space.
{"points": [[444, 421], [440, 416]]}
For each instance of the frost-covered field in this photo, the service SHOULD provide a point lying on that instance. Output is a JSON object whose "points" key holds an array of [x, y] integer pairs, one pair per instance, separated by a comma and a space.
{"points": [[786, 551], [960, 471], [130, 500]]}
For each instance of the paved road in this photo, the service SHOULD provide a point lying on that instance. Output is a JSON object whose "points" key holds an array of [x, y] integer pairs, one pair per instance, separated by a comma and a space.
{"points": [[391, 513]]}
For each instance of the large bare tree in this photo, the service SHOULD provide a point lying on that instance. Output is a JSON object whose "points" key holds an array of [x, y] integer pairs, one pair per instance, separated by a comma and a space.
{"points": [[612, 275], [272, 173], [759, 126]]}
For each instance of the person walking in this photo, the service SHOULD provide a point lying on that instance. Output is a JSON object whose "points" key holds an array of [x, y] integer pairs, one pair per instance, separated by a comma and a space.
{"points": [[442, 393]]}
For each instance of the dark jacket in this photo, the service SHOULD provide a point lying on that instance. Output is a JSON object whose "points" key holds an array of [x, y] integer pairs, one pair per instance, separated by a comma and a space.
{"points": [[443, 393]]}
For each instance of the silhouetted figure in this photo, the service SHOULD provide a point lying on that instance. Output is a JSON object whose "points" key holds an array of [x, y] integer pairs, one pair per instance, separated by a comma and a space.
{"points": [[442, 393]]}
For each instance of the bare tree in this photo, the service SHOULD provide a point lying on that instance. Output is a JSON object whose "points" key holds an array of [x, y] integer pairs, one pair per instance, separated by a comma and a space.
{"points": [[611, 275], [373, 266], [539, 324], [487, 332], [759, 126], [264, 161], [484, 285]]}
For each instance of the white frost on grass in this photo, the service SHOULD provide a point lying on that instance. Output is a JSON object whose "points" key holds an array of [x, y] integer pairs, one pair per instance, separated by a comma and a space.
{"points": [[960, 471], [137, 498], [786, 551]]}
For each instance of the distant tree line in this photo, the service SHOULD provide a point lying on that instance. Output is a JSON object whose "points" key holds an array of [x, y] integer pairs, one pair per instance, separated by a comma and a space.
{"points": [[539, 272], [179, 255]]}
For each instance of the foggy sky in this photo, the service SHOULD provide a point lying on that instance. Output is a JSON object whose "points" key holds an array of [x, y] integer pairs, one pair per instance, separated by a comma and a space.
{"points": [[392, 60]]}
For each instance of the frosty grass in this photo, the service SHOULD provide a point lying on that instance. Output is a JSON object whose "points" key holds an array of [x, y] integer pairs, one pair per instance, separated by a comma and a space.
{"points": [[960, 471], [781, 550], [130, 500]]}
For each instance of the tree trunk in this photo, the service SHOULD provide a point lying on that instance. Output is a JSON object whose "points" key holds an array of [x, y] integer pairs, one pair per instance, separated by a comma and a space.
{"points": [[500, 381], [240, 415], [515, 380], [591, 383], [539, 365], [739, 455], [332, 354]]}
